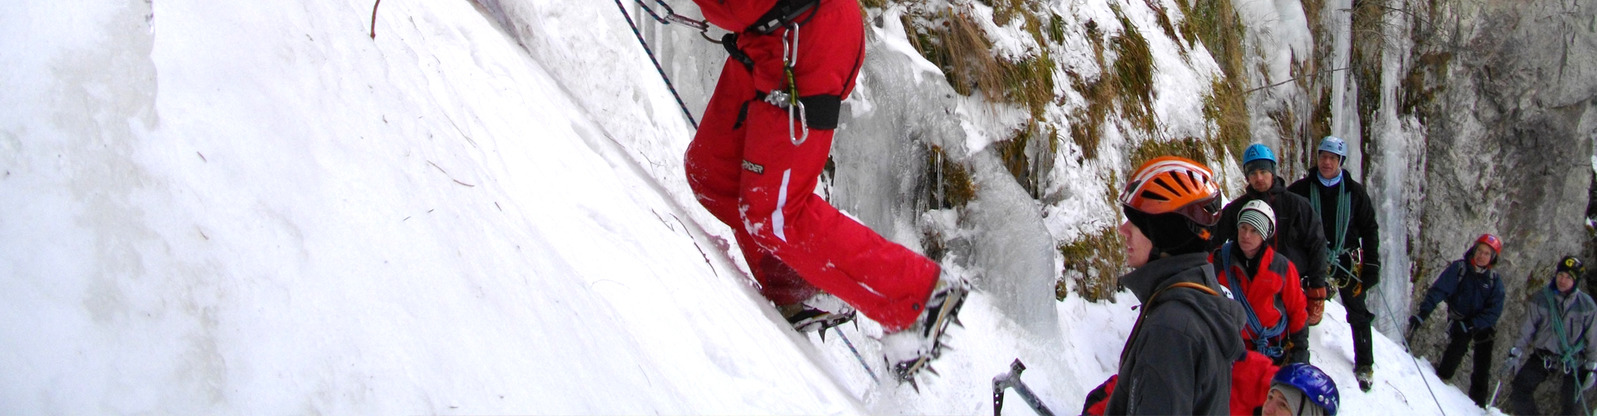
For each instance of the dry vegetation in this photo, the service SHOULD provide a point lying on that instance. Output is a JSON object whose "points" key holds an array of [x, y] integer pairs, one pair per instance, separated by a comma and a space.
{"points": [[1217, 25], [1133, 72], [1019, 155], [1122, 92], [949, 180], [1094, 262]]}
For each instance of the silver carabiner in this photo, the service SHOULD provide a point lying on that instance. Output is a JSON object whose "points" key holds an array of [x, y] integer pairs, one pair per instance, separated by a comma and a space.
{"points": [[789, 61], [803, 122]]}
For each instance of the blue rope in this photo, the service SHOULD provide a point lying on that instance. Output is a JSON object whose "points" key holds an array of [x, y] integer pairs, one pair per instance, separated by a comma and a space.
{"points": [[1407, 348], [668, 10], [1262, 337], [857, 356], [656, 62]]}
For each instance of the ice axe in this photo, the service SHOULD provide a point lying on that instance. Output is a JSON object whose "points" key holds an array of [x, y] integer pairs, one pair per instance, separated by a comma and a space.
{"points": [[1011, 380], [1493, 401]]}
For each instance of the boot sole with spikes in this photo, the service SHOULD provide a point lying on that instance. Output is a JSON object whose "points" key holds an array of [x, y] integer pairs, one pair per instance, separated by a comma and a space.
{"points": [[940, 317]]}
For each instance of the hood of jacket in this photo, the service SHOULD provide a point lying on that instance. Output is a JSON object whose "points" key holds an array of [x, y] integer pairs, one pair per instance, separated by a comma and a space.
{"points": [[1276, 188]]}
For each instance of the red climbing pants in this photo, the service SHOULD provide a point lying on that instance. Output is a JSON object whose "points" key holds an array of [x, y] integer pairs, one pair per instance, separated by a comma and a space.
{"points": [[747, 170]]}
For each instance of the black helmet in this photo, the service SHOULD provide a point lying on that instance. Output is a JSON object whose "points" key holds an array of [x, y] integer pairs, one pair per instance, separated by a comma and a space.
{"points": [[1572, 265]]}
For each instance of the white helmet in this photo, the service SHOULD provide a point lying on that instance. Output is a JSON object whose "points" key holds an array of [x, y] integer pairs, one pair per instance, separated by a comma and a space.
{"points": [[1258, 214]]}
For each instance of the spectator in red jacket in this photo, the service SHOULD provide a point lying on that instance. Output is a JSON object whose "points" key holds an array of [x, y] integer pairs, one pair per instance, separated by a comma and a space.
{"points": [[1267, 284]]}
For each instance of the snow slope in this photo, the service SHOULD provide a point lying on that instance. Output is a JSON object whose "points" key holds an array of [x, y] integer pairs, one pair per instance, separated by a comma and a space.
{"points": [[222, 208]]}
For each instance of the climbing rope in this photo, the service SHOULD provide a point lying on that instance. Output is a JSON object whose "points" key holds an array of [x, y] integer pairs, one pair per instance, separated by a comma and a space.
{"points": [[1416, 360], [670, 17]]}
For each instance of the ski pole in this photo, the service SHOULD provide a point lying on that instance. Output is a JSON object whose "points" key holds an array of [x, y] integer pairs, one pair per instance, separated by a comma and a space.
{"points": [[1493, 401]]}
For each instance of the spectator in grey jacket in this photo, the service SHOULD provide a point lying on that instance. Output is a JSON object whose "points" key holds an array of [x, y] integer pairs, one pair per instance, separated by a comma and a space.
{"points": [[1559, 334], [1178, 357]]}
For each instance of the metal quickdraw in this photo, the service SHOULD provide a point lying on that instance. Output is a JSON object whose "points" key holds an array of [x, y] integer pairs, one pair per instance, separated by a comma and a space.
{"points": [[671, 16], [788, 97]]}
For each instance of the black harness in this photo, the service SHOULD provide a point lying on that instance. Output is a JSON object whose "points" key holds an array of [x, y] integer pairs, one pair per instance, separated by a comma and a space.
{"points": [[820, 111]]}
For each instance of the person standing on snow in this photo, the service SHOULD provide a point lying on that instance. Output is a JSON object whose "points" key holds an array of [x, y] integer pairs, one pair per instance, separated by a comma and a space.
{"points": [[755, 161], [1474, 296], [1267, 287], [1178, 357], [1561, 331], [1353, 249], [1298, 233], [1302, 390]]}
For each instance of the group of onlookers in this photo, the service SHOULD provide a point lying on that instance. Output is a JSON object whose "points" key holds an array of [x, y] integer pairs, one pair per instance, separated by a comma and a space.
{"points": [[1231, 292]]}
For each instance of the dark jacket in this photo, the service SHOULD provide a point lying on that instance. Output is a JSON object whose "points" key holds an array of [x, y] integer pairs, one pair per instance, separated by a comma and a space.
{"points": [[1473, 297], [1298, 234], [1578, 314], [1179, 359], [1361, 231]]}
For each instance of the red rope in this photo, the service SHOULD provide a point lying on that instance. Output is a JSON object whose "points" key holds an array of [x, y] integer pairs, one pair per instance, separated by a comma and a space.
{"points": [[374, 18]]}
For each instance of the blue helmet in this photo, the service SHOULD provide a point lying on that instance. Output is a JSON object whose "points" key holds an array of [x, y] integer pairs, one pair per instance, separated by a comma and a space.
{"points": [[1335, 145], [1257, 151], [1314, 384]]}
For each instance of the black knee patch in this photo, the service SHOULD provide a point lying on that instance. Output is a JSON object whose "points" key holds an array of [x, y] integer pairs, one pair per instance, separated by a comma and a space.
{"points": [[821, 111]]}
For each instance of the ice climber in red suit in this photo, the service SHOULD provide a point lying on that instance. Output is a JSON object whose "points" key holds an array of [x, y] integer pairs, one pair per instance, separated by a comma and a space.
{"points": [[759, 152]]}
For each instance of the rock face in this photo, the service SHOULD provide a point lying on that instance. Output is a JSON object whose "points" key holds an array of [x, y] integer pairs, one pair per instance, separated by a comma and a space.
{"points": [[1494, 105]]}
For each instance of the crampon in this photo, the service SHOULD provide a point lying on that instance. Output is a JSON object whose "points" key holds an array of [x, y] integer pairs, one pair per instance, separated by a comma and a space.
{"points": [[911, 350]]}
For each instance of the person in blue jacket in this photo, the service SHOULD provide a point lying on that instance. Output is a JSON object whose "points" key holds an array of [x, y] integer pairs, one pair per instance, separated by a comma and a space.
{"points": [[1474, 296]]}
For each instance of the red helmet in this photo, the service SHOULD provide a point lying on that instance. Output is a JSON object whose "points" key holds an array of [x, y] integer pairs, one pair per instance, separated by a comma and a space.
{"points": [[1490, 241], [1171, 184]]}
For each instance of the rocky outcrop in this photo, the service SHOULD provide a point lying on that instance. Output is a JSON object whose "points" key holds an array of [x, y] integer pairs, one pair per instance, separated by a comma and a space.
{"points": [[1494, 104]]}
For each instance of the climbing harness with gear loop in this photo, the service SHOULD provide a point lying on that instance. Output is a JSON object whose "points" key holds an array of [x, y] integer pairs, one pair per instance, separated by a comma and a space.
{"points": [[1341, 276], [1566, 354], [783, 13], [788, 98], [1261, 335], [807, 112]]}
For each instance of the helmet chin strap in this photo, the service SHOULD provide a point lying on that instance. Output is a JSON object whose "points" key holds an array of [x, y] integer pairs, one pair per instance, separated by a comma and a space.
{"points": [[1155, 252]]}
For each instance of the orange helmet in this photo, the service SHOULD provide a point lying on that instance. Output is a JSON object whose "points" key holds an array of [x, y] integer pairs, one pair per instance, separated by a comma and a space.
{"points": [[1171, 184]]}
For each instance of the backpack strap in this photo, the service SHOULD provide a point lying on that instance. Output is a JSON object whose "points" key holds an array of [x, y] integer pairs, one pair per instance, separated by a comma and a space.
{"points": [[1136, 328], [1261, 335]]}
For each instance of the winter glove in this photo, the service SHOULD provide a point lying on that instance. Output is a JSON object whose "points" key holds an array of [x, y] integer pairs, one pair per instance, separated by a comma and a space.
{"points": [[1098, 398], [1486, 334], [1297, 347], [1316, 306], [1459, 329], [1414, 323], [1369, 276], [1515, 360]]}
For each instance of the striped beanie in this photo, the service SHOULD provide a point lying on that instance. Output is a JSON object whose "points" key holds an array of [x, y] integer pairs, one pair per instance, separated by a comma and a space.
{"points": [[1259, 215]]}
